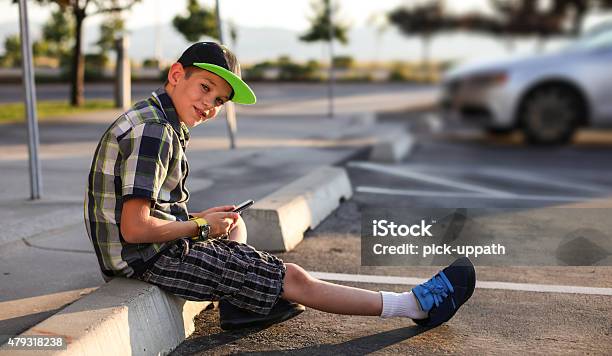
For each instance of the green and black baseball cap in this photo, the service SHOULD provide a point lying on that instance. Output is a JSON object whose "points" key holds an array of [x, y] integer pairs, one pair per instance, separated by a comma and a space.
{"points": [[217, 59]]}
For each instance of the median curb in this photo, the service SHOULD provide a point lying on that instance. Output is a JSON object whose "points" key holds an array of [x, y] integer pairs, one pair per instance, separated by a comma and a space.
{"points": [[394, 149], [121, 317], [278, 221]]}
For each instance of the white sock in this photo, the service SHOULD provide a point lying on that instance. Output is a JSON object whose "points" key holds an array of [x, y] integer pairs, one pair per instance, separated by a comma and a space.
{"points": [[401, 304]]}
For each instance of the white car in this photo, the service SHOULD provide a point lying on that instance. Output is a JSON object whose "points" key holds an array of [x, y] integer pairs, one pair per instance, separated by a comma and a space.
{"points": [[546, 96]]}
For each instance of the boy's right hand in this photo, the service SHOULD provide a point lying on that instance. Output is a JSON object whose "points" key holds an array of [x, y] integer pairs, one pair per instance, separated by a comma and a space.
{"points": [[220, 222]]}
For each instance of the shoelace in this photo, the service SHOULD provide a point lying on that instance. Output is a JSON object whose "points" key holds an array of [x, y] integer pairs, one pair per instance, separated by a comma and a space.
{"points": [[439, 288]]}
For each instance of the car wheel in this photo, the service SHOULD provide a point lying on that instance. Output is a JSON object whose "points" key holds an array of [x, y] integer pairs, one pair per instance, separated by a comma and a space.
{"points": [[550, 115]]}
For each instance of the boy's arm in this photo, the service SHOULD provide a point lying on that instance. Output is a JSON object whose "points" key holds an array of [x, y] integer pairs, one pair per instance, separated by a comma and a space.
{"points": [[138, 226]]}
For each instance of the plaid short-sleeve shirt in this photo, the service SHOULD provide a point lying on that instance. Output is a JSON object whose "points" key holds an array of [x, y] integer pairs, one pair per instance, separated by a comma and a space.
{"points": [[142, 154]]}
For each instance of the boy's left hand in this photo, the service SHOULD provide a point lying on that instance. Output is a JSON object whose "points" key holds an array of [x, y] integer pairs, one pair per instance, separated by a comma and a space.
{"points": [[218, 209]]}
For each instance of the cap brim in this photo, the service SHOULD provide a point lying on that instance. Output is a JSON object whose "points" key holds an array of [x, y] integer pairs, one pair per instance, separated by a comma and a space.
{"points": [[243, 94]]}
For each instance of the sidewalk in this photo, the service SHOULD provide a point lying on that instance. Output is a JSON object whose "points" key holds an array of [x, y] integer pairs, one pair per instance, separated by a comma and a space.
{"points": [[46, 260]]}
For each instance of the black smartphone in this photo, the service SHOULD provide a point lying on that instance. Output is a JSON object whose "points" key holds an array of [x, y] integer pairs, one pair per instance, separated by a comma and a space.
{"points": [[243, 206]]}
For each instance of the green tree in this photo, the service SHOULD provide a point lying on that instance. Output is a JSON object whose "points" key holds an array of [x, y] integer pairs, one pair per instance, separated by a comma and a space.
{"points": [[111, 29], [344, 62], [199, 21], [423, 20], [291, 71], [58, 32], [319, 24], [233, 32], [79, 10], [12, 51], [57, 37]]}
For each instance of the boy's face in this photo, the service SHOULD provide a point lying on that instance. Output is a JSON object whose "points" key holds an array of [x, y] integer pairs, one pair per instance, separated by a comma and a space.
{"points": [[197, 94]]}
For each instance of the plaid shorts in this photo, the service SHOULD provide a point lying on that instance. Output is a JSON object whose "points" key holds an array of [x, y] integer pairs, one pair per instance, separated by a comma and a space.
{"points": [[219, 269]]}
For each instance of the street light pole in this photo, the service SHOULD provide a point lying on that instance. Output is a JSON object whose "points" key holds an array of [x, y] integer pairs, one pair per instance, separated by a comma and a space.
{"points": [[230, 109], [30, 101], [330, 86]]}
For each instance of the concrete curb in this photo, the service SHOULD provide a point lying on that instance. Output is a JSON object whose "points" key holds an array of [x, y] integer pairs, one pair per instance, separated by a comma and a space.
{"points": [[394, 149], [278, 222], [122, 317]]}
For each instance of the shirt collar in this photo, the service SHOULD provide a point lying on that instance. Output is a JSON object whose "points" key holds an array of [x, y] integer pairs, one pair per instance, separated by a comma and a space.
{"points": [[161, 97]]}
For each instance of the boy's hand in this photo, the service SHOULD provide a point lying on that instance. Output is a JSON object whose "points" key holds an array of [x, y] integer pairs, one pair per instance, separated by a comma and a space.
{"points": [[221, 222], [216, 209]]}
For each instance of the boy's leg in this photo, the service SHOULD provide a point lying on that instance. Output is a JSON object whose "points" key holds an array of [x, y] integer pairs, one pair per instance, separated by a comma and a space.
{"points": [[429, 304], [300, 287]]}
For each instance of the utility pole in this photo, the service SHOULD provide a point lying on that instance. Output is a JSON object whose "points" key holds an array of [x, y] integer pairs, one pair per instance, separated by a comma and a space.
{"points": [[331, 79], [123, 81], [30, 101], [230, 109], [158, 39]]}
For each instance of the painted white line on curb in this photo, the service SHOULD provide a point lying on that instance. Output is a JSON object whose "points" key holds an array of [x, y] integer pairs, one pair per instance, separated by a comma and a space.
{"points": [[407, 173], [522, 287], [427, 193]]}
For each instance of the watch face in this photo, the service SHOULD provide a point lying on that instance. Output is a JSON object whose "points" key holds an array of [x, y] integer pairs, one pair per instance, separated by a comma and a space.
{"points": [[204, 230]]}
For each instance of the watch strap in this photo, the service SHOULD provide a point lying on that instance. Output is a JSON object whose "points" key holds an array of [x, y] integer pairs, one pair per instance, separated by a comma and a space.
{"points": [[201, 222]]}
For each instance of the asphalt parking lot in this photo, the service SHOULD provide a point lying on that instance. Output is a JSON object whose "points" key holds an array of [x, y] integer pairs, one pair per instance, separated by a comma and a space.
{"points": [[512, 312]]}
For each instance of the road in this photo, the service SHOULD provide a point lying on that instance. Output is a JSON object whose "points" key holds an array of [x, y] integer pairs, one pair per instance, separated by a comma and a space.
{"points": [[453, 168], [267, 93]]}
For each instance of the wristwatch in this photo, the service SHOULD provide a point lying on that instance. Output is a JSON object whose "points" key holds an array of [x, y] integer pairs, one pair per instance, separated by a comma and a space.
{"points": [[203, 229]]}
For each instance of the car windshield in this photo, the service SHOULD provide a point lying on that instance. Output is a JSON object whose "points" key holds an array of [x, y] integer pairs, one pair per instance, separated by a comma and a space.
{"points": [[592, 40]]}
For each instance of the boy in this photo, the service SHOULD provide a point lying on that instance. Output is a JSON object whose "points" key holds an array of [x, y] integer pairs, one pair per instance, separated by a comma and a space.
{"points": [[136, 216]]}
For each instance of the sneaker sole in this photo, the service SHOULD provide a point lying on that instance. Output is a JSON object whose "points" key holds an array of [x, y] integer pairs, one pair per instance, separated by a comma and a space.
{"points": [[289, 314]]}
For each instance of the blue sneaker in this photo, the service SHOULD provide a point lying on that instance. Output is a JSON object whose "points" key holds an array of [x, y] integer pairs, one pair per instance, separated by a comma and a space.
{"points": [[444, 293]]}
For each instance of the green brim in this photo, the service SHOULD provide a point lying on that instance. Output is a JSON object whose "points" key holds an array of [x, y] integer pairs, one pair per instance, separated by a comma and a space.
{"points": [[242, 92]]}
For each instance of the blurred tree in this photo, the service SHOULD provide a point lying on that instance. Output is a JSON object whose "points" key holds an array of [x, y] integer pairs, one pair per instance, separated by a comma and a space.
{"points": [[150, 63], [510, 18], [57, 39], [111, 29], [233, 32], [423, 20], [319, 22], [380, 22], [58, 34], [325, 26], [199, 21], [257, 71], [343, 62], [291, 71], [545, 18], [12, 51], [80, 10]]}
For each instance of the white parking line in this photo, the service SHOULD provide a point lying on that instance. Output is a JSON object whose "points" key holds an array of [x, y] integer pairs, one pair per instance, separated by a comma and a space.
{"points": [[428, 193], [523, 287], [407, 173], [513, 174], [533, 178]]}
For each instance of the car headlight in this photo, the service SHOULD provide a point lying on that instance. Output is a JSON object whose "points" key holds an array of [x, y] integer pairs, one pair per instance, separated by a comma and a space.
{"points": [[487, 79]]}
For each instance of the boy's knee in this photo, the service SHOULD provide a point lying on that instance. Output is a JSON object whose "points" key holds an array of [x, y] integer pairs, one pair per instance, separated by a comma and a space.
{"points": [[239, 233], [296, 275], [240, 223]]}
